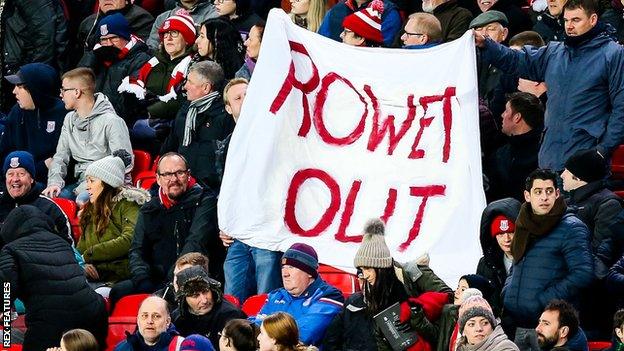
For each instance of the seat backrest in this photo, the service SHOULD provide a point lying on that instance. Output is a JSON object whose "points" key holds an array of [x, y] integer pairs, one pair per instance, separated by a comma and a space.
{"points": [[343, 281], [145, 179], [128, 306], [67, 206], [142, 162], [117, 329], [598, 345], [617, 162], [253, 304], [232, 299]]}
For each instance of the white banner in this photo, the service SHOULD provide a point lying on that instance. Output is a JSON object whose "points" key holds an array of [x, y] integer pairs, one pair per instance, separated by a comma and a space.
{"points": [[332, 135]]}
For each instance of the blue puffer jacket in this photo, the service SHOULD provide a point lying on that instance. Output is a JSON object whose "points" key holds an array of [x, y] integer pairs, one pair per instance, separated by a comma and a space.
{"points": [[585, 93], [313, 310], [555, 266], [331, 27]]}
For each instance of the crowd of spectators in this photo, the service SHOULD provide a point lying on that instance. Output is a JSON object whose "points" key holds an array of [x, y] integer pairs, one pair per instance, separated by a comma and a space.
{"points": [[85, 82]]}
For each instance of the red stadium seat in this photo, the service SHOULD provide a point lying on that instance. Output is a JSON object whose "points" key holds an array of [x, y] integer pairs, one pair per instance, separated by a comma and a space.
{"points": [[232, 299], [145, 179], [117, 328], [128, 306], [598, 345], [70, 209], [142, 162], [253, 304], [346, 282], [617, 163]]}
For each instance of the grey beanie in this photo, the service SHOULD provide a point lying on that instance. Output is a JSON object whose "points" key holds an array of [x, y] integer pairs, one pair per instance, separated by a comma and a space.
{"points": [[373, 251], [111, 170], [476, 311]]}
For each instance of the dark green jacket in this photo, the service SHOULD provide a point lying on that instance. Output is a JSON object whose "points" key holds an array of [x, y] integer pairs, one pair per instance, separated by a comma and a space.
{"points": [[109, 253], [418, 279]]}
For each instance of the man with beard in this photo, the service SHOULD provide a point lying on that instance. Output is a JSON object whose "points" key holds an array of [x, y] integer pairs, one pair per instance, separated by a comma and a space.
{"points": [[558, 327], [181, 219], [118, 54], [201, 306]]}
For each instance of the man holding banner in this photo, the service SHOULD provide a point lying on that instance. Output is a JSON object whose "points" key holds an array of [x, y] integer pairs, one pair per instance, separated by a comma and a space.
{"points": [[329, 144]]}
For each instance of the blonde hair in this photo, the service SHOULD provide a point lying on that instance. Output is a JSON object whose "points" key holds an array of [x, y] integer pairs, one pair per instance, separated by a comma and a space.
{"points": [[231, 83], [316, 13], [283, 328], [428, 24], [85, 78], [79, 340]]}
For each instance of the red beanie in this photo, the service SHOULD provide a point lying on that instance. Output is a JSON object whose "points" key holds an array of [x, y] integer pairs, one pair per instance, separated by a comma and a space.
{"points": [[502, 224], [366, 23], [183, 24]]}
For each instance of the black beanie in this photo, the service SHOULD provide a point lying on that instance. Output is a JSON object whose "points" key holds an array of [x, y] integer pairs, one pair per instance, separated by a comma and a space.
{"points": [[479, 282], [587, 165]]}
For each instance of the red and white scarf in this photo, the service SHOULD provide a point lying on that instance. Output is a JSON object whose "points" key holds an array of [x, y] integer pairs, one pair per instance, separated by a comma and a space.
{"points": [[136, 85], [124, 52]]}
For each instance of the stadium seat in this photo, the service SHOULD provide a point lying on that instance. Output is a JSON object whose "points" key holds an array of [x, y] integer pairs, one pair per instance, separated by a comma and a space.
{"points": [[142, 163], [343, 281], [128, 306], [117, 328], [145, 179], [617, 163], [70, 209], [598, 345], [253, 304], [232, 299]]}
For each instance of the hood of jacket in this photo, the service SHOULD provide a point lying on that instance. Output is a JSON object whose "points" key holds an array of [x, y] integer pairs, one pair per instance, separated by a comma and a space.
{"points": [[42, 82], [101, 107], [132, 194], [508, 207], [23, 221], [578, 342]]}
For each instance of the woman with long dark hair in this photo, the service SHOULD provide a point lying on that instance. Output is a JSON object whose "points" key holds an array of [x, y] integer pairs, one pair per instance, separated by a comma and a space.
{"points": [[108, 221], [419, 293], [239, 335], [239, 12], [221, 42]]}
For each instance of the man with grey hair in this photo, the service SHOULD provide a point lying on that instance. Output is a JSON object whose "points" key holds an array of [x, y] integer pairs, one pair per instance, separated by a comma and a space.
{"points": [[454, 19], [201, 122]]}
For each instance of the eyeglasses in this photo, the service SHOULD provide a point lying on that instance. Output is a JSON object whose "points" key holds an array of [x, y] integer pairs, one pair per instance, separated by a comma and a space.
{"points": [[172, 33], [177, 174], [64, 90], [111, 40], [415, 34]]}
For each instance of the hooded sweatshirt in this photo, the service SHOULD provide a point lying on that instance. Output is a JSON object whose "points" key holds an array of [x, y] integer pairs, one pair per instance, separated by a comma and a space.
{"points": [[36, 131], [89, 139]]}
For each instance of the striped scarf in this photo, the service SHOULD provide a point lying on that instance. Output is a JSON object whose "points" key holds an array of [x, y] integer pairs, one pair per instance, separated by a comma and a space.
{"points": [[136, 85], [123, 52], [196, 107]]}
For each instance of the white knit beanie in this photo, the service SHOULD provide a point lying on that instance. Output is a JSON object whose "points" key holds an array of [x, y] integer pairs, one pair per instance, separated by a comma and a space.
{"points": [[373, 251], [111, 170]]}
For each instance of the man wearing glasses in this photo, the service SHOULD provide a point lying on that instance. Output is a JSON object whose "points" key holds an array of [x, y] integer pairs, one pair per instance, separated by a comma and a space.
{"points": [[181, 219], [422, 30], [91, 131], [118, 54]]}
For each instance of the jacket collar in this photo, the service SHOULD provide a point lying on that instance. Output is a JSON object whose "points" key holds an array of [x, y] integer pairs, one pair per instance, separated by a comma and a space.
{"points": [[587, 190]]}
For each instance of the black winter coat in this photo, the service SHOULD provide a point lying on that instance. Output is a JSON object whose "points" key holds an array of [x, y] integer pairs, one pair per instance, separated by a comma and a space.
{"points": [[107, 80], [208, 325], [60, 222], [601, 211], [162, 235], [44, 275], [454, 20], [549, 27], [508, 167], [33, 31], [519, 21], [352, 328], [212, 126], [491, 265], [139, 21]]}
